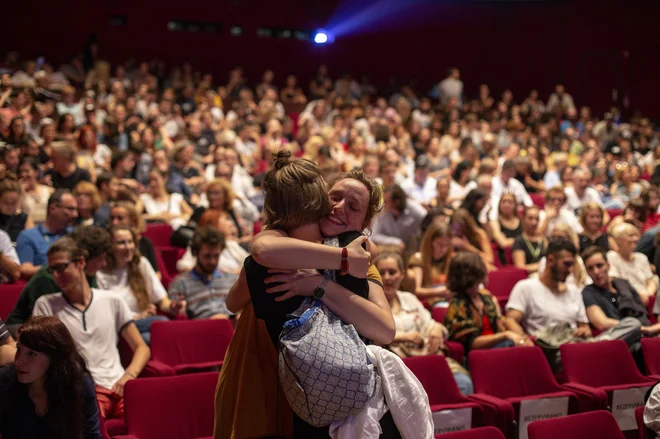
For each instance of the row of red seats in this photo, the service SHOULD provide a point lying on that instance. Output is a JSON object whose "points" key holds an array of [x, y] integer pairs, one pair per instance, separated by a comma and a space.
{"points": [[597, 424], [503, 378]]}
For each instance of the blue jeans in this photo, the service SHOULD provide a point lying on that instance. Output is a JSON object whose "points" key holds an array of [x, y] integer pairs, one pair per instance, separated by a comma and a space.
{"points": [[144, 326], [464, 383]]}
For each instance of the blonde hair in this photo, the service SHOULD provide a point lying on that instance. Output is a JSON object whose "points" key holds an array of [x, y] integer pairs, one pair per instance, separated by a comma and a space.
{"points": [[137, 222], [622, 229], [88, 188], [136, 281], [226, 187], [591, 206]]}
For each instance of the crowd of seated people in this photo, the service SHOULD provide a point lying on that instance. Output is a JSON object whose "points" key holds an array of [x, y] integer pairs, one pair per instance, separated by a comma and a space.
{"points": [[471, 184]]}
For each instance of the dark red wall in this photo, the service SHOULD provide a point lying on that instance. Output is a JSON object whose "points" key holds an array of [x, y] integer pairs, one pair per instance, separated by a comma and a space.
{"points": [[591, 46]]}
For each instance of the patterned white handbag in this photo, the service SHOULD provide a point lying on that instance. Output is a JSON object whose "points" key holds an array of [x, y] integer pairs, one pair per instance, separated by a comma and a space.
{"points": [[324, 367]]}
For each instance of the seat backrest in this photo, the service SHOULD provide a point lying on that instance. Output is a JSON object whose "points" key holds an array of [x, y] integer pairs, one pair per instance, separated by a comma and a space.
{"points": [[475, 433], [159, 234], [604, 363], [178, 407], [642, 429], [502, 281], [438, 313], [511, 372], [436, 377], [9, 294], [651, 351], [190, 341], [538, 200], [598, 424]]}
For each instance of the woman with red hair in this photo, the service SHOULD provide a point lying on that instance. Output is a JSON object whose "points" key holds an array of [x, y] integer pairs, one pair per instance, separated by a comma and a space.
{"points": [[49, 392], [93, 156]]}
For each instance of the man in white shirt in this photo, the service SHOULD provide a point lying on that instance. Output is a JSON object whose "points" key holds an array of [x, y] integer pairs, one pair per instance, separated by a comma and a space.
{"points": [[540, 303], [451, 87], [95, 319], [400, 220], [555, 212], [580, 193], [10, 270], [506, 182], [421, 188]]}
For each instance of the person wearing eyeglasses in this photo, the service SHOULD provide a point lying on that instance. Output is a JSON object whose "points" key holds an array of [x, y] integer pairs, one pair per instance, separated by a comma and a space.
{"points": [[96, 320], [556, 212], [94, 240], [32, 244]]}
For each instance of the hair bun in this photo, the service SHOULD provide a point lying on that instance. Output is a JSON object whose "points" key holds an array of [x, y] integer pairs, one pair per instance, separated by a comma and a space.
{"points": [[281, 159]]}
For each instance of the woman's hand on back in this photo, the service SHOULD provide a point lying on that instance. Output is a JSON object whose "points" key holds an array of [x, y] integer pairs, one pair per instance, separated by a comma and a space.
{"points": [[359, 259], [293, 283]]}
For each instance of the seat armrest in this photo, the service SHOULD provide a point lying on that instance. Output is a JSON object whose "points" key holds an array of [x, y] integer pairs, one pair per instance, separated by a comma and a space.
{"points": [[590, 398], [496, 412], [155, 368]]}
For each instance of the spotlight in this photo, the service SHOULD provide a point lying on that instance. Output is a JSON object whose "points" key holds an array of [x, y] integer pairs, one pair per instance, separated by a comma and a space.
{"points": [[322, 37]]}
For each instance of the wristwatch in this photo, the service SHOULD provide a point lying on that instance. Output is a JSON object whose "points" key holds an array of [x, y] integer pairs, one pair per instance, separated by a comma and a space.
{"points": [[319, 291]]}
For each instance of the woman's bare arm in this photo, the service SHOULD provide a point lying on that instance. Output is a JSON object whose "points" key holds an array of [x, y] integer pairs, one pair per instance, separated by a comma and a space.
{"points": [[239, 294], [274, 249]]}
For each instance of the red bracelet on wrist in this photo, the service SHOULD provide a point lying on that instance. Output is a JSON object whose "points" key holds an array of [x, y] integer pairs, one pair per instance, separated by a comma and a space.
{"points": [[344, 260]]}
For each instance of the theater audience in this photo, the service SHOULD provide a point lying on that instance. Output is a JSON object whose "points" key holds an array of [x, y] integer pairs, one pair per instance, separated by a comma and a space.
{"points": [[10, 270], [579, 193], [529, 247], [130, 275], [421, 188], [94, 240], [160, 206], [35, 195], [88, 200], [592, 221], [506, 181], [431, 264], [468, 236], [578, 276], [65, 174], [416, 332], [32, 244], [48, 392], [400, 219], [204, 288], [627, 264], [508, 226], [96, 331], [12, 219], [474, 318], [608, 300], [556, 212]]}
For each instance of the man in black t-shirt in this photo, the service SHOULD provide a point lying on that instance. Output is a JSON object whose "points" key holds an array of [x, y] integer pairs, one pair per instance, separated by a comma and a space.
{"points": [[610, 300], [65, 174]]}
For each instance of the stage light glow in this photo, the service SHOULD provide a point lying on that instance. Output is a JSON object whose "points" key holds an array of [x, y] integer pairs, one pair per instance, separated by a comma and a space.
{"points": [[321, 37]]}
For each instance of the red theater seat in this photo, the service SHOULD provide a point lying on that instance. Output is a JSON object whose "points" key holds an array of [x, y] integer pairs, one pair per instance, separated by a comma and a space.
{"points": [[514, 375], [179, 407], [159, 234], [453, 349], [475, 433], [601, 368], [9, 294], [538, 200], [436, 377], [599, 424], [189, 346], [651, 351], [502, 281], [642, 430]]}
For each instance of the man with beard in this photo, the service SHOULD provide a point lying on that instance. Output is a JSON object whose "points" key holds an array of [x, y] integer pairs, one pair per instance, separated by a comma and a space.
{"points": [[205, 287], [536, 304]]}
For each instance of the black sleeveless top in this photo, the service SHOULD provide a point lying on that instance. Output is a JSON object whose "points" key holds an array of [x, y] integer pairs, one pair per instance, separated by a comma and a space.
{"points": [[602, 241]]}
